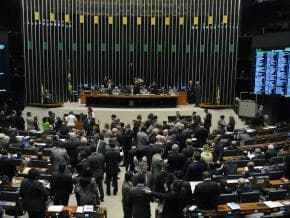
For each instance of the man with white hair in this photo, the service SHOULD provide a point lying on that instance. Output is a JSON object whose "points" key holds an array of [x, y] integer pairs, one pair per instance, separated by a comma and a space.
{"points": [[176, 160], [271, 152], [4, 140]]}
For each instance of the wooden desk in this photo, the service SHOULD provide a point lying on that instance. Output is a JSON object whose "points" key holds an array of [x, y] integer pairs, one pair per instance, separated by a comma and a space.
{"points": [[247, 147], [86, 93], [102, 212], [131, 101], [245, 207], [277, 182]]}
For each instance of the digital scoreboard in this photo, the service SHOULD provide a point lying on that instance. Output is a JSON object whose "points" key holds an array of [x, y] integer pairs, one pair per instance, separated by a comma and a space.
{"points": [[272, 71]]}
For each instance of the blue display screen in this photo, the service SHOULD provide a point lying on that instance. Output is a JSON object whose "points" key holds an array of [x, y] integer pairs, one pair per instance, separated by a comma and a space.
{"points": [[272, 71], [2, 58]]}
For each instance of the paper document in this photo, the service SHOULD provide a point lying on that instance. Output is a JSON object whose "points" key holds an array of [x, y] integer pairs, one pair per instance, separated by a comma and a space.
{"points": [[273, 204], [89, 208], [80, 210], [233, 206], [55, 208]]}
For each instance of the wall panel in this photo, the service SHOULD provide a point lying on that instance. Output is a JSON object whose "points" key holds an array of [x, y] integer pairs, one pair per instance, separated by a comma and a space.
{"points": [[167, 41]]}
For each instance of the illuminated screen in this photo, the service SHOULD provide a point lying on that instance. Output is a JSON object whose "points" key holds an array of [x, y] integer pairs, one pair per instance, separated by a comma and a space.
{"points": [[2, 58], [272, 71]]}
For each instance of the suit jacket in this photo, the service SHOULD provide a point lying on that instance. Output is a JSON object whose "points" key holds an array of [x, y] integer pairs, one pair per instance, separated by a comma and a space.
{"points": [[156, 166], [194, 171], [163, 182], [207, 120], [142, 139], [176, 161], [7, 167], [71, 147], [101, 147], [61, 184], [148, 179], [172, 207], [97, 163], [140, 202], [112, 159], [58, 156], [201, 135], [34, 195], [206, 194]]}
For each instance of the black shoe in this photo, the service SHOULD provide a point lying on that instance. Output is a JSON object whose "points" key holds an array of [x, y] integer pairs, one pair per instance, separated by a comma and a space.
{"points": [[115, 193], [108, 193], [102, 199]]}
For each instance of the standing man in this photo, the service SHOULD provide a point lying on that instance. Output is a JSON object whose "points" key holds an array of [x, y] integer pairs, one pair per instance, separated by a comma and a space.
{"points": [[207, 119], [126, 188], [96, 162], [221, 127], [197, 91], [206, 193], [139, 200], [112, 159], [34, 195], [191, 93]]}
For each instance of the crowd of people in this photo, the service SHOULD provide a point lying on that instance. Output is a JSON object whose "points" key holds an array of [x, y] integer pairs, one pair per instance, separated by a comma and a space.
{"points": [[160, 161]]}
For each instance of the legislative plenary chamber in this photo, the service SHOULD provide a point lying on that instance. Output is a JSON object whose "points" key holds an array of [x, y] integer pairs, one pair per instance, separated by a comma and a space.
{"points": [[144, 108]]}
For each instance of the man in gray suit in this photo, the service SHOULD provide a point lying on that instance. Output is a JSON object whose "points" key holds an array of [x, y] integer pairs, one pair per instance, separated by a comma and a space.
{"points": [[139, 200], [156, 166], [96, 162], [99, 144], [59, 155], [142, 138]]}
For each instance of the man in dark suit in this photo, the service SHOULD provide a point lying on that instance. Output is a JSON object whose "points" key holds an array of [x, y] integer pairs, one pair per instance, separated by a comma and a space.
{"points": [[139, 200], [71, 146], [207, 119], [126, 188], [96, 161], [61, 185], [201, 135], [176, 160], [7, 168], [195, 170], [99, 144], [34, 195], [206, 193], [112, 160]]}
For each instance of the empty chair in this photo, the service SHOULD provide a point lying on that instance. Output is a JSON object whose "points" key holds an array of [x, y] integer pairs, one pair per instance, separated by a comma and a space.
{"points": [[278, 194], [262, 140], [237, 176], [276, 160], [29, 152], [46, 152], [249, 142], [242, 163], [8, 197], [276, 174], [231, 152], [259, 162], [38, 163], [250, 197], [226, 198], [14, 150]]}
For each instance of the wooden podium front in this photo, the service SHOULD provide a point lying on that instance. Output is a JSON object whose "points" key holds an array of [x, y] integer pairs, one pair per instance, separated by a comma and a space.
{"points": [[88, 93], [182, 98]]}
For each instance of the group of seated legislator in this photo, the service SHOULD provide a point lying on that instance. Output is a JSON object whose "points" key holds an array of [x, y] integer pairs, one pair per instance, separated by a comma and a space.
{"points": [[170, 162]]}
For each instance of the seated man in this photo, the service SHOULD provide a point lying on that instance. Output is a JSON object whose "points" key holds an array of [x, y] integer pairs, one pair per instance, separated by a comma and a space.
{"points": [[251, 169], [206, 193], [46, 96], [243, 186]]}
